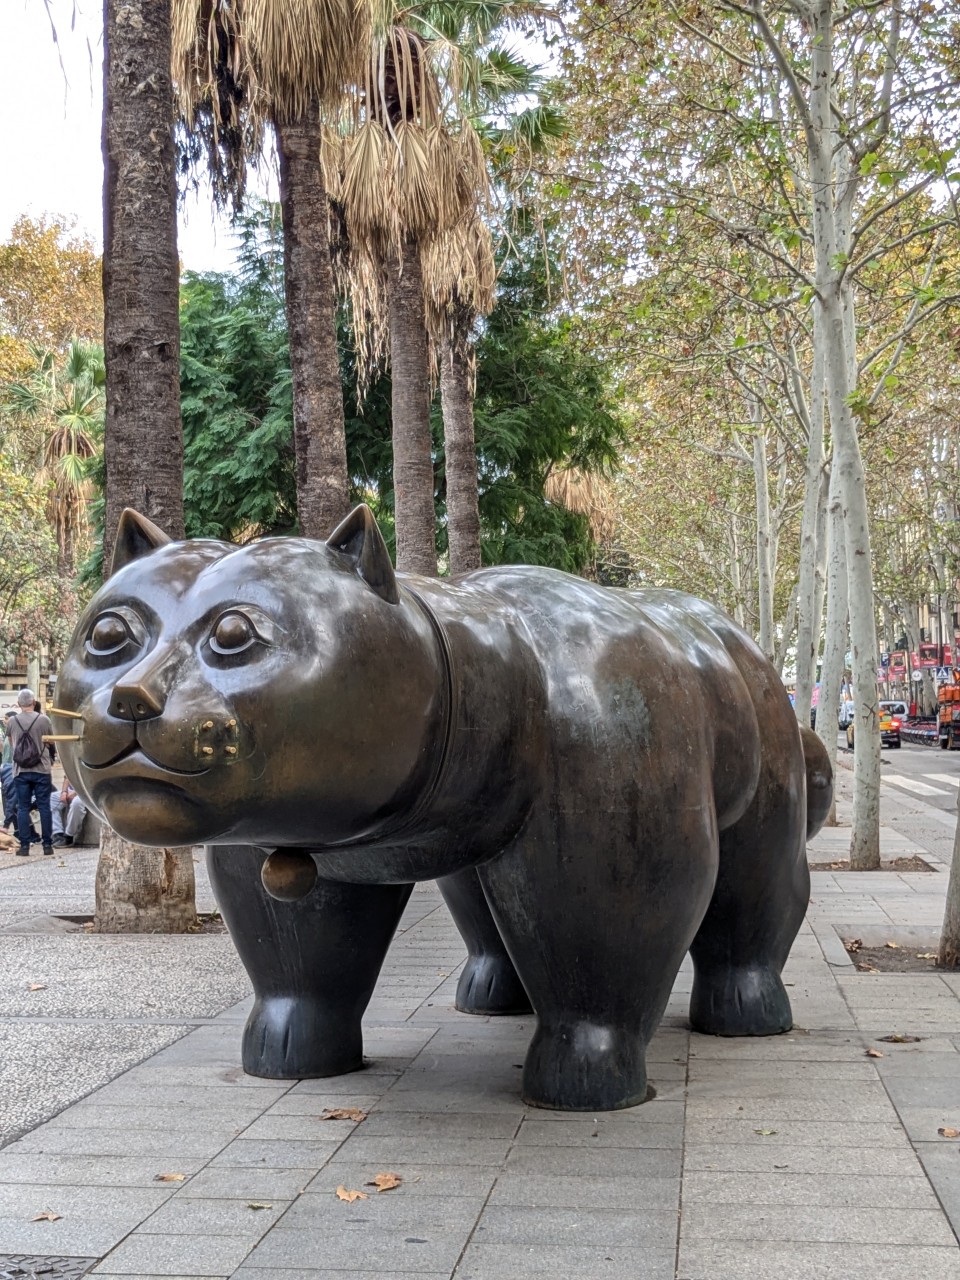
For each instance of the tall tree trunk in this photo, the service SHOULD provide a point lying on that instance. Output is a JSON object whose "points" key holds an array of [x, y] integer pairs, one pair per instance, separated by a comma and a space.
{"points": [[463, 510], [412, 442], [143, 437], [949, 956], [810, 615], [764, 538], [835, 640], [833, 188], [323, 490]]}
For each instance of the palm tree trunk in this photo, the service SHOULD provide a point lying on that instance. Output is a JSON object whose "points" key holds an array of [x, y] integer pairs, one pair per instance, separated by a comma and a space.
{"points": [[323, 491], [412, 441], [143, 438], [463, 511], [143, 435]]}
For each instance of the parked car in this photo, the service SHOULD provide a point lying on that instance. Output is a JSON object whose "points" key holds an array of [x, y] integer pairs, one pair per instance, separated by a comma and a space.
{"points": [[889, 727]]}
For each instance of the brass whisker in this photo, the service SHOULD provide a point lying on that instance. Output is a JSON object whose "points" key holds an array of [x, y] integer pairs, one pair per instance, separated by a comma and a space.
{"points": [[59, 711], [61, 737]]}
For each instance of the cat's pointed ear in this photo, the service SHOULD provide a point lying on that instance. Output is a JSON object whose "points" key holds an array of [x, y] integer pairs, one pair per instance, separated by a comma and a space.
{"points": [[359, 538], [136, 536]]}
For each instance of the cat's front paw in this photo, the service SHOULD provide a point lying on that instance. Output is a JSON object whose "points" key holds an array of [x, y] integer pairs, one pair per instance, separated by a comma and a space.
{"points": [[294, 1038]]}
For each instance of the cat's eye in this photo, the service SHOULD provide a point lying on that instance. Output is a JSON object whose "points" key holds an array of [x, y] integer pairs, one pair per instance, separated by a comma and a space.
{"points": [[112, 632], [234, 631]]}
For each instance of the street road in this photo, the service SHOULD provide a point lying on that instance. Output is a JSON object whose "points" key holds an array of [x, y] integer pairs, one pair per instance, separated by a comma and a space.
{"points": [[924, 773]]}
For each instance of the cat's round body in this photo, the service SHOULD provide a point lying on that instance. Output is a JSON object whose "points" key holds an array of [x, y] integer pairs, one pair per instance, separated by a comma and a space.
{"points": [[618, 777]]}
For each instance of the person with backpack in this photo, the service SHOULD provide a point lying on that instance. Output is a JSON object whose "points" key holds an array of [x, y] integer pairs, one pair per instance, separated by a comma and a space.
{"points": [[32, 766]]}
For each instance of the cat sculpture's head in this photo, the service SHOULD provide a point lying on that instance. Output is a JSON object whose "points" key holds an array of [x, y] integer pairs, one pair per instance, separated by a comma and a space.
{"points": [[282, 692]]}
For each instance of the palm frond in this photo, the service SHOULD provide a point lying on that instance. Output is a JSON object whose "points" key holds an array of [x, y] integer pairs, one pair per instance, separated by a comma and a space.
{"points": [[584, 493], [306, 51]]}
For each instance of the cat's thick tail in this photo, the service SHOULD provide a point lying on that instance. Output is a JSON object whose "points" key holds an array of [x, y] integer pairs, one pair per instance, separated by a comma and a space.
{"points": [[819, 780]]}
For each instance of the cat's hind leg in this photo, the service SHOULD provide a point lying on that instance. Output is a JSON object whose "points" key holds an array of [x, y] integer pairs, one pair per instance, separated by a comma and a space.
{"points": [[313, 963], [761, 894], [489, 983]]}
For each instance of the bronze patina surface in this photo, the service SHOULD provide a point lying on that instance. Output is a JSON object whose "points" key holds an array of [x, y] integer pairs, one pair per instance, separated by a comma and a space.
{"points": [[601, 780]]}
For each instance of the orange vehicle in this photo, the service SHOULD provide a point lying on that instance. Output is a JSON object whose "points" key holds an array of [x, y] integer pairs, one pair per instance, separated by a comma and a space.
{"points": [[948, 714]]}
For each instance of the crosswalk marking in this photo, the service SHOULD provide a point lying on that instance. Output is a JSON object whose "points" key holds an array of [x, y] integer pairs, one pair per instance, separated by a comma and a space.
{"points": [[951, 779], [911, 784]]}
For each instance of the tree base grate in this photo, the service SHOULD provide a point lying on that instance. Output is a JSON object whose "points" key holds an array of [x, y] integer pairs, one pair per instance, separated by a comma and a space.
{"points": [[20, 1266]]}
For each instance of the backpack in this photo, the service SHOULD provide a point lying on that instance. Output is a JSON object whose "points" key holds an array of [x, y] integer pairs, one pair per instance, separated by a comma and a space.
{"points": [[25, 753]]}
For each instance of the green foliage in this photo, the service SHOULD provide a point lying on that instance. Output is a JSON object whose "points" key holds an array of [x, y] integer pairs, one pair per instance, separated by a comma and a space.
{"points": [[236, 407], [541, 403]]}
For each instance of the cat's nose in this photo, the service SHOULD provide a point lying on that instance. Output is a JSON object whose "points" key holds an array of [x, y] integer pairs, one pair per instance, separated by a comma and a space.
{"points": [[134, 702]]}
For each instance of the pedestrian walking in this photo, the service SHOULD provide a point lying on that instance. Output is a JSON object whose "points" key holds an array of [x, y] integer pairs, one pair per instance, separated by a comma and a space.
{"points": [[32, 760]]}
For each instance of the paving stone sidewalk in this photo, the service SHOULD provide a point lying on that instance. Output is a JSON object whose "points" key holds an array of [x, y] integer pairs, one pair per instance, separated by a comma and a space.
{"points": [[136, 1147]]}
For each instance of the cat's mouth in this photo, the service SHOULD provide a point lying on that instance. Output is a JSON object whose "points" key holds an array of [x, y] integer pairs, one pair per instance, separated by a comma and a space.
{"points": [[137, 762]]}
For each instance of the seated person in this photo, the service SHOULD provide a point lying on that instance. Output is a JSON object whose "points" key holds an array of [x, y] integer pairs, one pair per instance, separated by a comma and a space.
{"points": [[68, 812]]}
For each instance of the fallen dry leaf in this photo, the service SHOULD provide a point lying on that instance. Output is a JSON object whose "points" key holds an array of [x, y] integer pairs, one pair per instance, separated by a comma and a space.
{"points": [[343, 1113], [36, 986], [344, 1194], [867, 968], [896, 1038], [47, 1216], [385, 1181], [169, 1177], [874, 1053], [894, 946], [765, 1133], [852, 944], [949, 1133], [926, 955], [258, 1204]]}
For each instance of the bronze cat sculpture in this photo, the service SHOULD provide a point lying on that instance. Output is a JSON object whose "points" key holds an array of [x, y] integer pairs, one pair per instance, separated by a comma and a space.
{"points": [[600, 780]]}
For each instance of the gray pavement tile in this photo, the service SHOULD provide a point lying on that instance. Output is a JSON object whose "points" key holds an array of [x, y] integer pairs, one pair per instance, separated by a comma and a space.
{"points": [[660, 1110], [753, 1075], [814, 1046], [165, 1144], [122, 1093], [371, 1248], [71, 1236], [387, 1152], [436, 1102], [391, 1211], [719, 1260], [838, 1190], [246, 1183], [923, 1089], [922, 1123], [132, 1119], [141, 1255], [274, 1154], [941, 1163], [564, 1262], [816, 1224], [602, 1132], [773, 1155], [314, 1104], [418, 1179], [194, 1216], [198, 1075], [579, 1191], [453, 1124], [871, 1106], [22, 1199], [297, 1128], [88, 1171], [804, 1133], [658, 1162], [363, 1082], [299, 1273], [618, 1228]]}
